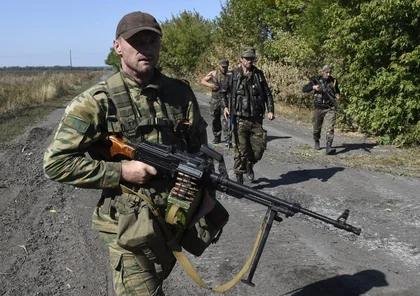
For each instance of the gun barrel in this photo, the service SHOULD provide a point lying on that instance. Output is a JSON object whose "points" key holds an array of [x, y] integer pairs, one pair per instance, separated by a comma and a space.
{"points": [[289, 209]]}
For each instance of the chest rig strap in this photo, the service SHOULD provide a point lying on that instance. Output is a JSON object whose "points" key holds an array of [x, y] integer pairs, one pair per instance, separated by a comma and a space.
{"points": [[127, 114]]}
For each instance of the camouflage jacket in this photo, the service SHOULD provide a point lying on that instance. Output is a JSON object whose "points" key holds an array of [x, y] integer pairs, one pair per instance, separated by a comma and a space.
{"points": [[91, 117]]}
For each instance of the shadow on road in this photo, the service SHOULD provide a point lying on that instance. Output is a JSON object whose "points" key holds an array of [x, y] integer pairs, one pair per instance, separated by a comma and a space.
{"points": [[294, 177], [348, 147], [271, 138], [344, 285]]}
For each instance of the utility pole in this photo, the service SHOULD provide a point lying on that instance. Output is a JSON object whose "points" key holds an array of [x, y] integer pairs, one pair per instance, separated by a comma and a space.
{"points": [[71, 65]]}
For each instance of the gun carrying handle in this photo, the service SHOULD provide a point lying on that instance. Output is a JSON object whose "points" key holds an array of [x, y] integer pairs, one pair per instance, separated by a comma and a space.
{"points": [[119, 146]]}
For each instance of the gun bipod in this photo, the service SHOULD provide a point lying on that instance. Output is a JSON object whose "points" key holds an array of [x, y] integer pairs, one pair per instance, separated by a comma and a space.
{"points": [[270, 216]]}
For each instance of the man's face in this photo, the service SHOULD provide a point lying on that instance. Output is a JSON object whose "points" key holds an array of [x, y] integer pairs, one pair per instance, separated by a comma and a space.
{"points": [[223, 69], [139, 53], [326, 74], [247, 62]]}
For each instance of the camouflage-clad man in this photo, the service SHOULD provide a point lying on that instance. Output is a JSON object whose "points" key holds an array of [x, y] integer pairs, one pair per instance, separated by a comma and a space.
{"points": [[247, 94], [136, 103], [214, 80], [323, 106]]}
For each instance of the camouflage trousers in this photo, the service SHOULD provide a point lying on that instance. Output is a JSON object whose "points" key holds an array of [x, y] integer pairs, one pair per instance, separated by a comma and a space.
{"points": [[318, 117], [250, 140], [219, 123], [133, 273]]}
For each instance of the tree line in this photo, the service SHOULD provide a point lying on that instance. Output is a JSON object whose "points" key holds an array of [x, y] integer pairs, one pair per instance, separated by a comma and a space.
{"points": [[373, 47]]}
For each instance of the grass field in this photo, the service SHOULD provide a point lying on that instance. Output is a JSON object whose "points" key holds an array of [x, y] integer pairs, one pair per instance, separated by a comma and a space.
{"points": [[27, 96]]}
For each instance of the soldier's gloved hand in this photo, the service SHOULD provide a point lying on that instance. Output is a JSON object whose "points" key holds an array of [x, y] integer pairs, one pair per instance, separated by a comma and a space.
{"points": [[136, 172]]}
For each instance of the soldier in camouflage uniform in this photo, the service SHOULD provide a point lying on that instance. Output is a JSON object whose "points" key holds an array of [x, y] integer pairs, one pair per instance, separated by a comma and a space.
{"points": [[138, 102], [323, 107], [245, 95], [213, 80]]}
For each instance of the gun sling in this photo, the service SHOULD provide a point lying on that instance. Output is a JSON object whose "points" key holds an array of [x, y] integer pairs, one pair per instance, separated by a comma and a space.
{"points": [[185, 262]]}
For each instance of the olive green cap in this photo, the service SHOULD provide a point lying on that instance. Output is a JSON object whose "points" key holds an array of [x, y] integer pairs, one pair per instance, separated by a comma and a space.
{"points": [[224, 63], [248, 52]]}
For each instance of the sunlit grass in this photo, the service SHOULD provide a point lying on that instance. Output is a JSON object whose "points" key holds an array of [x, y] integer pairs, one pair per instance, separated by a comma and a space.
{"points": [[21, 89], [26, 97], [387, 159]]}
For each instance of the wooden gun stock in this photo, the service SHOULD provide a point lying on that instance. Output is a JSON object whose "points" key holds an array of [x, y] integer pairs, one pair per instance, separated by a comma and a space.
{"points": [[119, 146]]}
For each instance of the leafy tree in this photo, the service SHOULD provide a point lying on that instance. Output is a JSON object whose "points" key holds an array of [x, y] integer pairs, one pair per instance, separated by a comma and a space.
{"points": [[185, 38], [247, 22], [113, 59], [379, 53]]}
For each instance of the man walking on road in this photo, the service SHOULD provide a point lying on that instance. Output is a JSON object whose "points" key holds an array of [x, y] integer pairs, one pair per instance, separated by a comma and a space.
{"points": [[245, 96], [138, 102], [214, 80], [324, 107]]}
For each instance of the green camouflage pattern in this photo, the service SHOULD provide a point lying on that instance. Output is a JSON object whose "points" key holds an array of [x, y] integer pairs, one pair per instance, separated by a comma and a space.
{"points": [[251, 142], [219, 123], [134, 274], [85, 124], [87, 121]]}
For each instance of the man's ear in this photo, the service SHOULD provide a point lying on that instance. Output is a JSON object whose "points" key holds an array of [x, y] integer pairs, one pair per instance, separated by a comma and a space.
{"points": [[117, 47]]}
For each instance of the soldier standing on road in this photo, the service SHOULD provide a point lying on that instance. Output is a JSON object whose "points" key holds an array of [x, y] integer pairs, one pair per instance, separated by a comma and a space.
{"points": [[213, 80], [323, 107], [245, 96], [138, 102]]}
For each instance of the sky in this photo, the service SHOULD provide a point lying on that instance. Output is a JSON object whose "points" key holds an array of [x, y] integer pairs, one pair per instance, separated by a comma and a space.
{"points": [[49, 32]]}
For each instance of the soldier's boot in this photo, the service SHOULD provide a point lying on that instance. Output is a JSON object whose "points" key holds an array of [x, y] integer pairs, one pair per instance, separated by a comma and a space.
{"points": [[250, 172], [329, 150], [216, 140], [239, 178], [316, 145]]}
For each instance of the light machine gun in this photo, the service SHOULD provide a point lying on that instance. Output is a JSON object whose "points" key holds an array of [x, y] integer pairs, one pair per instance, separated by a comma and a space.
{"points": [[170, 163]]}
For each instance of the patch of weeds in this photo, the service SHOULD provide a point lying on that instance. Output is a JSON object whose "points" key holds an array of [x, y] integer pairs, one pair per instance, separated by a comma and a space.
{"points": [[388, 159]]}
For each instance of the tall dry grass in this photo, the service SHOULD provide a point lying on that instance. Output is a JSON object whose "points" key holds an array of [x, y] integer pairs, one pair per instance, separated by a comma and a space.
{"points": [[25, 89]]}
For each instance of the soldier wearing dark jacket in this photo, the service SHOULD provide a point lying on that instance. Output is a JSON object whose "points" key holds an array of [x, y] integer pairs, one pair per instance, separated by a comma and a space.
{"points": [[324, 87], [245, 96]]}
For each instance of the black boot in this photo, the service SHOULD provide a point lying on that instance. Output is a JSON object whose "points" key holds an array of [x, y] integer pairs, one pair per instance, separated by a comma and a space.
{"points": [[329, 150], [316, 145], [250, 172], [239, 178], [216, 140]]}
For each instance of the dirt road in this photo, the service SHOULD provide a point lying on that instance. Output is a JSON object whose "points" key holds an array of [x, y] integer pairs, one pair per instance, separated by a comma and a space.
{"points": [[48, 247]]}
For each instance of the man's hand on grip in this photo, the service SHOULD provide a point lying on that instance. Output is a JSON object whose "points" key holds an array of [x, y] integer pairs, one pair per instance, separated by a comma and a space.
{"points": [[137, 172]]}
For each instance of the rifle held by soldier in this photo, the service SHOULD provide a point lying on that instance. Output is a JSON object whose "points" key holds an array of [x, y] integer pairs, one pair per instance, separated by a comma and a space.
{"points": [[170, 163], [331, 96]]}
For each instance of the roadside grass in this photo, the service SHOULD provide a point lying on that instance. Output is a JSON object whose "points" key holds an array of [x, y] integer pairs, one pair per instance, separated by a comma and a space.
{"points": [[14, 121], [12, 125], [381, 158]]}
